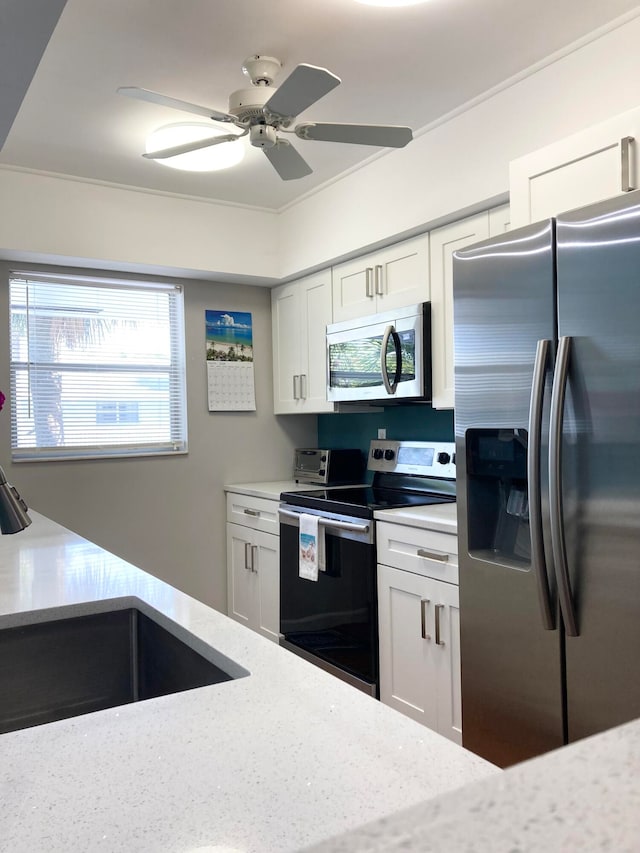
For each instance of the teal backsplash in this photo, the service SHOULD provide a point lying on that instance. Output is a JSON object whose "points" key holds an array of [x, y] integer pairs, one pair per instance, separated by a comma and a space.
{"points": [[417, 422]]}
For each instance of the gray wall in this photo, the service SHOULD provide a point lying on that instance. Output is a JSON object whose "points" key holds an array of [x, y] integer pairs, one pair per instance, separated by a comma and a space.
{"points": [[167, 515]]}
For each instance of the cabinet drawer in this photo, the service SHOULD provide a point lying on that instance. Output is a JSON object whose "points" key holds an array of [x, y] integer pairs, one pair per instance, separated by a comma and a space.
{"points": [[257, 513], [424, 552]]}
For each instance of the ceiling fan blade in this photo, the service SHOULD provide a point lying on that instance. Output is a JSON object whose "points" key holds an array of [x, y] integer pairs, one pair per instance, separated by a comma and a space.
{"points": [[384, 136], [165, 101], [286, 161], [186, 147], [304, 86]]}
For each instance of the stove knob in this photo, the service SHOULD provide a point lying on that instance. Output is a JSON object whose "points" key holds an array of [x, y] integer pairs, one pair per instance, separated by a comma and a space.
{"points": [[377, 453], [389, 454], [444, 458]]}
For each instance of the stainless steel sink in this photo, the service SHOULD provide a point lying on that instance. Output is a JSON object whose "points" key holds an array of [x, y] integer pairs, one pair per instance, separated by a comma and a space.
{"points": [[64, 667]]}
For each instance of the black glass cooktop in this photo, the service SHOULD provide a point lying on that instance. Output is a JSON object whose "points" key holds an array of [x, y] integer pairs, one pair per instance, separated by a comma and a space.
{"points": [[362, 501]]}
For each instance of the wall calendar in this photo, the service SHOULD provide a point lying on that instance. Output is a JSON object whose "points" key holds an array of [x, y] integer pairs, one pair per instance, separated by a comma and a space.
{"points": [[229, 347]]}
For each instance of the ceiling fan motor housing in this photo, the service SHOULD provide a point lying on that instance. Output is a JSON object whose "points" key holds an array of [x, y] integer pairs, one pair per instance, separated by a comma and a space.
{"points": [[263, 136], [247, 104]]}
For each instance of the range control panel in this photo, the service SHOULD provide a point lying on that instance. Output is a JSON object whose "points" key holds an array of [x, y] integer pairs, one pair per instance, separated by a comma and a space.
{"points": [[428, 458]]}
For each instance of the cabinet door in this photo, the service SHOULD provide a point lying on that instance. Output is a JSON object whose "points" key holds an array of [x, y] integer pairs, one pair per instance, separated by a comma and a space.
{"points": [[266, 566], [285, 319], [241, 594], [315, 315], [407, 680], [597, 163], [419, 631], [253, 579], [444, 242], [446, 659], [353, 291], [381, 281], [401, 274]]}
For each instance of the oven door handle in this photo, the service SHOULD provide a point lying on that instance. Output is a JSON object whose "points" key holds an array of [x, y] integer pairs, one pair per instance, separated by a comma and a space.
{"points": [[331, 522]]}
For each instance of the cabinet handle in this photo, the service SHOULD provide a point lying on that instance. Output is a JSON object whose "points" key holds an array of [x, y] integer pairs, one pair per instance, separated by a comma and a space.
{"points": [[254, 561], [626, 177], [247, 556], [303, 386], [379, 290], [296, 392], [254, 512], [438, 608], [423, 619], [433, 555], [368, 282]]}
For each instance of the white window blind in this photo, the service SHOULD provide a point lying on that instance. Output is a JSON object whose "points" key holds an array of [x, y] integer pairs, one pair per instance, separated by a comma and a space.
{"points": [[97, 368]]}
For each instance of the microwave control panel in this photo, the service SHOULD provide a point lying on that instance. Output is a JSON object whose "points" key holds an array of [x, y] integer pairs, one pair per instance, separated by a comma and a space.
{"points": [[427, 458]]}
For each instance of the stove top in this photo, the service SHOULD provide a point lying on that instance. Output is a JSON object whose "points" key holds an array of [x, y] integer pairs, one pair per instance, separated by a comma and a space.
{"points": [[362, 501], [408, 473]]}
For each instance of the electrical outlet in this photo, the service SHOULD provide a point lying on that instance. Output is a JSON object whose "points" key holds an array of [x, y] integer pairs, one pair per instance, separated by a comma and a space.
{"points": [[382, 433]]}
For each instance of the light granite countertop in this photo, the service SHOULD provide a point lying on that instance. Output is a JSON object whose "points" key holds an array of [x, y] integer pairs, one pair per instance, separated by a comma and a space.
{"points": [[269, 490], [439, 517], [582, 798], [278, 760]]}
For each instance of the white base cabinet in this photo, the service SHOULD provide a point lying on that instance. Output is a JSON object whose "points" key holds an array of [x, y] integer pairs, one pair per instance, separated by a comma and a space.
{"points": [[253, 564], [597, 163], [419, 628]]}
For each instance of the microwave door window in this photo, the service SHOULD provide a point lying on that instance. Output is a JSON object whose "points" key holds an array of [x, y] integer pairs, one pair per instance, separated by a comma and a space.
{"points": [[356, 363]]}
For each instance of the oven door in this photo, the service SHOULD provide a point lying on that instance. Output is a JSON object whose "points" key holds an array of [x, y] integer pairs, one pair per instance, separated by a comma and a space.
{"points": [[381, 357], [333, 622]]}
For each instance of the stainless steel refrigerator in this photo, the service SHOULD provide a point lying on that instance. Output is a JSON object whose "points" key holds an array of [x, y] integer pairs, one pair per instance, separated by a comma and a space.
{"points": [[547, 420]]}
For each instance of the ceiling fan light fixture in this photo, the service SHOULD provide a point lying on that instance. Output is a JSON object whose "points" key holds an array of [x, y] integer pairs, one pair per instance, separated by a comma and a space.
{"points": [[211, 159]]}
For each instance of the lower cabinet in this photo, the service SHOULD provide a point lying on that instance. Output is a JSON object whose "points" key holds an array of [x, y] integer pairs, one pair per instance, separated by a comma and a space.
{"points": [[253, 565], [419, 627]]}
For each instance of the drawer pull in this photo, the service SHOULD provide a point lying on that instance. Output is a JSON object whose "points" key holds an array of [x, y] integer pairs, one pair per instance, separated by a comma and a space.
{"points": [[423, 619], [433, 555], [254, 512], [438, 609]]}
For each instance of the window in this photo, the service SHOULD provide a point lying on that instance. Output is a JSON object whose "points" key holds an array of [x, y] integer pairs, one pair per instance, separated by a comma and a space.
{"points": [[97, 368]]}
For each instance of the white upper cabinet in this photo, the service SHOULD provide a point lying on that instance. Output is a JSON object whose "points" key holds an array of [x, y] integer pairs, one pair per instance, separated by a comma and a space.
{"points": [[387, 279], [597, 163], [300, 313], [444, 242]]}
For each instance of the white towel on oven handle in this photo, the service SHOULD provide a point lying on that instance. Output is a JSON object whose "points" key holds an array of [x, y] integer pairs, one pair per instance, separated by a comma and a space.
{"points": [[311, 547]]}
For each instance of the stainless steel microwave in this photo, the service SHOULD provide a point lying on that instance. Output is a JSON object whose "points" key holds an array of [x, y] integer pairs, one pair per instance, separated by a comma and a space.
{"points": [[383, 357]]}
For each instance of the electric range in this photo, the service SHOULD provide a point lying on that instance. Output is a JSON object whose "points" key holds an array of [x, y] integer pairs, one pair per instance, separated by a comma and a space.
{"points": [[333, 620]]}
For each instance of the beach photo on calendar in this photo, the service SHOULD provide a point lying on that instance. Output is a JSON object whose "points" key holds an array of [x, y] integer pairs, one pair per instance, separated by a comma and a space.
{"points": [[229, 336]]}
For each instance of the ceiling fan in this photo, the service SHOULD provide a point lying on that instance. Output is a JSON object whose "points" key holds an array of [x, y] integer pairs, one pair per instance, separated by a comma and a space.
{"points": [[263, 113]]}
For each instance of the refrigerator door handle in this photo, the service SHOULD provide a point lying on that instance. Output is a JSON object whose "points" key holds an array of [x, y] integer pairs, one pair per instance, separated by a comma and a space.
{"points": [[555, 486], [534, 450]]}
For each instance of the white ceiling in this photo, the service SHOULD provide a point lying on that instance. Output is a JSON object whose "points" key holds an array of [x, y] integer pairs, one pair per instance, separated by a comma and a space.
{"points": [[398, 66]]}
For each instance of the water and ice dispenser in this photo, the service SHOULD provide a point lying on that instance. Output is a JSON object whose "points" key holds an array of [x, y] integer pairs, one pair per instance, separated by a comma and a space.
{"points": [[498, 507]]}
